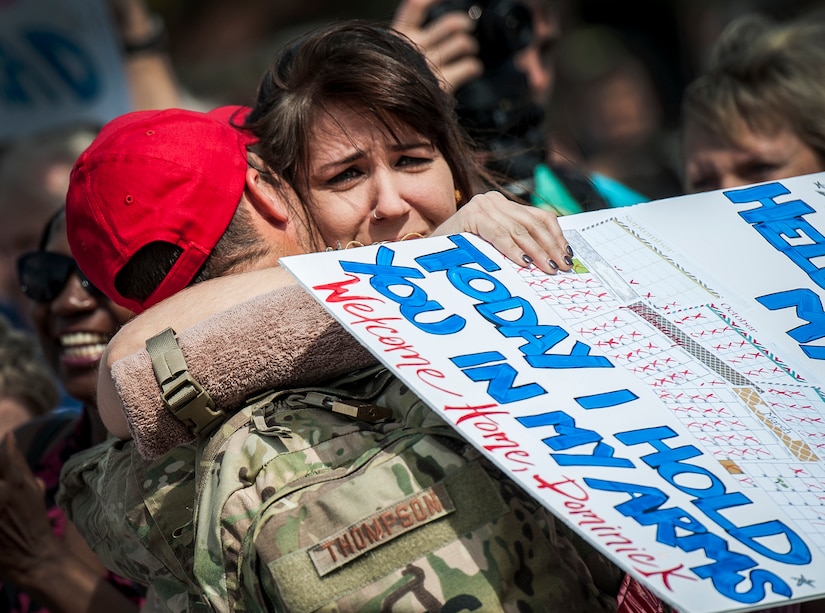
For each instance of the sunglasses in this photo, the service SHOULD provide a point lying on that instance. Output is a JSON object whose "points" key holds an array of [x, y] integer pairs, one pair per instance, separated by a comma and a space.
{"points": [[43, 275]]}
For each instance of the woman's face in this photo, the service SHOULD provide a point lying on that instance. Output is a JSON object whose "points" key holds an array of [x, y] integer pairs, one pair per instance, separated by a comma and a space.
{"points": [[75, 326], [713, 163], [368, 187]]}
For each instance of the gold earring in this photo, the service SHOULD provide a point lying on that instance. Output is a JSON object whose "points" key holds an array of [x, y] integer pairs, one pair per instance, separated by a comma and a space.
{"points": [[457, 196]]}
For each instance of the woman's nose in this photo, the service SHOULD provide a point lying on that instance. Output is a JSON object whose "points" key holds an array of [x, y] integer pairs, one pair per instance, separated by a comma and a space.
{"points": [[389, 199]]}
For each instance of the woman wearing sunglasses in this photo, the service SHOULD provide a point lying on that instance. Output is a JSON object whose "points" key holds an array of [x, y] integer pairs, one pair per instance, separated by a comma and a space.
{"points": [[45, 565]]}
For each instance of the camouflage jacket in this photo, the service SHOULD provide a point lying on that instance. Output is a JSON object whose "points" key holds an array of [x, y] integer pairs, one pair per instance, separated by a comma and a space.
{"points": [[401, 516], [136, 515]]}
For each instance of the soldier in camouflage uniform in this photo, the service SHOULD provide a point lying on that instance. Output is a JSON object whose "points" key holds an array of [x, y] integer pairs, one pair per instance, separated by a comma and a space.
{"points": [[505, 551], [472, 539]]}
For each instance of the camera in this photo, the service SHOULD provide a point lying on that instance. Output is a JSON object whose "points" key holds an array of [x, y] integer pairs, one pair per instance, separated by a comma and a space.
{"points": [[497, 109], [503, 27]]}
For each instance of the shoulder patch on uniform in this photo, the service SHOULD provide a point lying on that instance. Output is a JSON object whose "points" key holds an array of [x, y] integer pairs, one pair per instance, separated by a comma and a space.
{"points": [[381, 527]]}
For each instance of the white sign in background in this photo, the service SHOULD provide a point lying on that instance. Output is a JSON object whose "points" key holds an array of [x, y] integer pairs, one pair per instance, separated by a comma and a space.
{"points": [[665, 403], [60, 63]]}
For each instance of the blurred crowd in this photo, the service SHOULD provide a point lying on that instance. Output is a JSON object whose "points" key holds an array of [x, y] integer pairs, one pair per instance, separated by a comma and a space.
{"points": [[619, 77]]}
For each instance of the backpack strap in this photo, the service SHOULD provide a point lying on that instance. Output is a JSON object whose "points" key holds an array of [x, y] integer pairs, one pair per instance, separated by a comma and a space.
{"points": [[181, 393]]}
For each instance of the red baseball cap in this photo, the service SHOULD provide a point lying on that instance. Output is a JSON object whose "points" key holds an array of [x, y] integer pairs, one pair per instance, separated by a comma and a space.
{"points": [[174, 176]]}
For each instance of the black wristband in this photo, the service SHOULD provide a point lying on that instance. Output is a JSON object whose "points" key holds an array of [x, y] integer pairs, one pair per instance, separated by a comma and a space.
{"points": [[154, 43]]}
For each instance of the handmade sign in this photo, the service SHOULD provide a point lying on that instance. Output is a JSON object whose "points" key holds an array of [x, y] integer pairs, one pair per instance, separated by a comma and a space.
{"points": [[664, 399], [61, 64]]}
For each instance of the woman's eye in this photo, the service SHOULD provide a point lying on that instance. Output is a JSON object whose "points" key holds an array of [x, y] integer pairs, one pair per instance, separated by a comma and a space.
{"points": [[412, 160], [759, 170], [342, 177]]}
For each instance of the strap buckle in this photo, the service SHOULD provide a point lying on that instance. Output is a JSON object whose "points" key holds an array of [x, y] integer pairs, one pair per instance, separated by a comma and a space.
{"points": [[351, 407], [191, 404], [181, 393]]}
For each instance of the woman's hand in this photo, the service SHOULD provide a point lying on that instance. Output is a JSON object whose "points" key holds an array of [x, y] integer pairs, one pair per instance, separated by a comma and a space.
{"points": [[525, 234]]}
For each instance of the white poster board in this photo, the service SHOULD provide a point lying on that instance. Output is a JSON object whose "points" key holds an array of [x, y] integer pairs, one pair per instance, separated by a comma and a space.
{"points": [[60, 63], [665, 398]]}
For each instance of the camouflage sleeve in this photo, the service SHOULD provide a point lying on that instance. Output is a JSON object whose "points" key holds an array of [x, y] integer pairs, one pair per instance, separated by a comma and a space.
{"points": [[134, 514]]}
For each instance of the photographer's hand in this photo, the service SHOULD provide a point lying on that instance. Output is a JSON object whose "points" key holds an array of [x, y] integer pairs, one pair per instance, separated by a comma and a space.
{"points": [[447, 42]]}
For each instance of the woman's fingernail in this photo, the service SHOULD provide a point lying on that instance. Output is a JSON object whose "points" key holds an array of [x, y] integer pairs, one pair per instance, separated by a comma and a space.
{"points": [[553, 265], [569, 251], [568, 261], [527, 259]]}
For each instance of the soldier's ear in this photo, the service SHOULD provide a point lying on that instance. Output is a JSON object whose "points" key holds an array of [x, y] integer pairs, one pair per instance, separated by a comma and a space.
{"points": [[264, 195]]}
